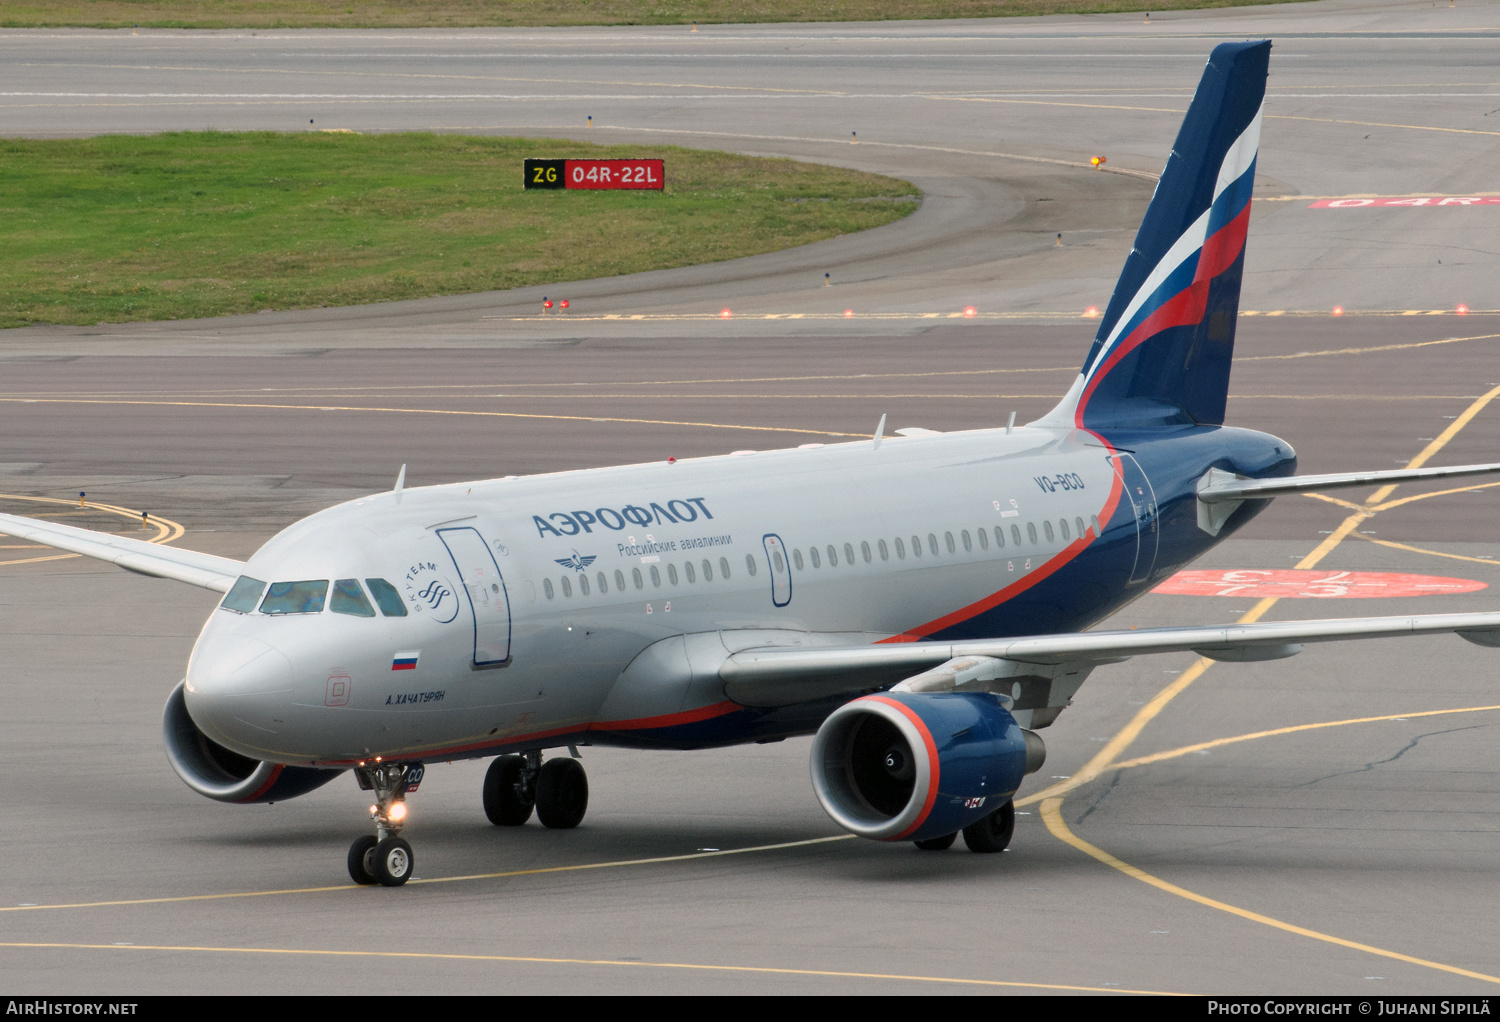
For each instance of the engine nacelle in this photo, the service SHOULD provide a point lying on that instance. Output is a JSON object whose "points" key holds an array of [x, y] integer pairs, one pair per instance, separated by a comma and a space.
{"points": [[906, 766], [210, 769]]}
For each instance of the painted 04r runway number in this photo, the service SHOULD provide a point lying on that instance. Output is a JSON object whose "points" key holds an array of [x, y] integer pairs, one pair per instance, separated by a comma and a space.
{"points": [[595, 175]]}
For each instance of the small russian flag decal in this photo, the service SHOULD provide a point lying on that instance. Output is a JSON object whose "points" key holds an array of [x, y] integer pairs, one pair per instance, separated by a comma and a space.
{"points": [[406, 660]]}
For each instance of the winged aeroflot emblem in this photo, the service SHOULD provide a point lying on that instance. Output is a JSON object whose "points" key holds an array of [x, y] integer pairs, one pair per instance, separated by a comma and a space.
{"points": [[578, 562]]}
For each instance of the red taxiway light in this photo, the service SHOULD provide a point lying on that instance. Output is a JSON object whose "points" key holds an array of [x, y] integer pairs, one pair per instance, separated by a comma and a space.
{"points": [[1462, 310], [725, 313], [563, 304], [1092, 312], [1338, 310], [970, 312], [848, 313]]}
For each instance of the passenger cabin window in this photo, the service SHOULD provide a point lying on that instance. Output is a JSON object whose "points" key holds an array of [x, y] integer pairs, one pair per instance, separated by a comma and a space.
{"points": [[603, 581], [349, 598], [620, 580], [389, 601], [1062, 526], [1031, 532], [1095, 520], [708, 569], [750, 563], [849, 553], [900, 549], [547, 589], [1047, 528], [916, 546], [948, 539], [583, 584], [566, 586], [812, 552], [797, 559], [968, 543], [1015, 534], [295, 597], [1078, 524], [984, 538], [672, 574], [833, 557], [999, 537], [635, 576], [243, 595], [885, 551], [724, 565], [655, 577], [687, 570], [864, 550], [932, 543]]}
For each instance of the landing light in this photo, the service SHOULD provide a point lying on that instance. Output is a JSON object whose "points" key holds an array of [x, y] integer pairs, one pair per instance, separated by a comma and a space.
{"points": [[398, 812]]}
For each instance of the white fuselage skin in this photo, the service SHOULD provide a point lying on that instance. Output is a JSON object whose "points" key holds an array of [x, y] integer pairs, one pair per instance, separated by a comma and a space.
{"points": [[320, 688]]}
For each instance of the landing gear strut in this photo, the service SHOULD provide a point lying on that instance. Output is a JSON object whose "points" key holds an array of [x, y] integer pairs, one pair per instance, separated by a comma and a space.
{"points": [[558, 790], [385, 858]]}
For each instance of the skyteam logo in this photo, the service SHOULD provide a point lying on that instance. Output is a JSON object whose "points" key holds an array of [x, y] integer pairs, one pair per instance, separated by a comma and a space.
{"points": [[578, 562], [428, 591]]}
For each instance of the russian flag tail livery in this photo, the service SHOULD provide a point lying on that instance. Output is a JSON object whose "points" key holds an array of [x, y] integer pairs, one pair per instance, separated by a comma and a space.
{"points": [[1163, 350]]}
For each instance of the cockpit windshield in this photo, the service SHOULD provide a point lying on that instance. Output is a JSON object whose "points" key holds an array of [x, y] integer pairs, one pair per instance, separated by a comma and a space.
{"points": [[349, 598], [243, 595], [295, 597], [385, 594]]}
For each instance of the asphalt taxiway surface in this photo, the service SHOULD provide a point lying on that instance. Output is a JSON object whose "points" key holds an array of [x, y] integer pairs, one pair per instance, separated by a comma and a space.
{"points": [[1351, 850]]}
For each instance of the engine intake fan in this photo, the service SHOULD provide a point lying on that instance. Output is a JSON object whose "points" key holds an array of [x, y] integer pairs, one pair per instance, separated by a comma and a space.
{"points": [[225, 776], [909, 766]]}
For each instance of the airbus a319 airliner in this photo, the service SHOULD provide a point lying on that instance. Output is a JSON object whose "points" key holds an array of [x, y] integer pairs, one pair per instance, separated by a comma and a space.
{"points": [[916, 602]]}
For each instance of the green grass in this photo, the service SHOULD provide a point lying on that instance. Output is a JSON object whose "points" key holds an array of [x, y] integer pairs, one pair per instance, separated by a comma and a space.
{"points": [[462, 13], [172, 226]]}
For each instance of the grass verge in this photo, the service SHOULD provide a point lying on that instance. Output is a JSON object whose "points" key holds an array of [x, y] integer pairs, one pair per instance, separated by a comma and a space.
{"points": [[181, 225], [505, 13]]}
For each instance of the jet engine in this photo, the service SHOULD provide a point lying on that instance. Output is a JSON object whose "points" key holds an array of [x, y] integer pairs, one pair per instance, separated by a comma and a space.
{"points": [[901, 766], [210, 769]]}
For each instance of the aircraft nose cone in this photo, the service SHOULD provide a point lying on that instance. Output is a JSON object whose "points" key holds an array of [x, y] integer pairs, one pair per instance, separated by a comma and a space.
{"points": [[238, 690]]}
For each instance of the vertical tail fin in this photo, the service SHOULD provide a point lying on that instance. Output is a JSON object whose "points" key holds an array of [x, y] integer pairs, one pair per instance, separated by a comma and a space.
{"points": [[1163, 350]]}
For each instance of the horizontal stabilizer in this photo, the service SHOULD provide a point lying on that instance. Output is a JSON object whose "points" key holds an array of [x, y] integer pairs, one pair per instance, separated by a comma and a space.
{"points": [[206, 570], [1227, 487]]}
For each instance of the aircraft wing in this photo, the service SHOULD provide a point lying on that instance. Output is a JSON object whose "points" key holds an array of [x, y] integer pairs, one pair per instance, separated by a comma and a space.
{"points": [[206, 570], [778, 677]]}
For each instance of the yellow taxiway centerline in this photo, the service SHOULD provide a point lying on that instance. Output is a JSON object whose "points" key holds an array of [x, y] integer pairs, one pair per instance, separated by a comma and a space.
{"points": [[534, 960]]}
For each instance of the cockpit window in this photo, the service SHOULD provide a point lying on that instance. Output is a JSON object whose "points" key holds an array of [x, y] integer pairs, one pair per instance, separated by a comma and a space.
{"points": [[295, 597], [385, 594], [349, 598], [244, 594]]}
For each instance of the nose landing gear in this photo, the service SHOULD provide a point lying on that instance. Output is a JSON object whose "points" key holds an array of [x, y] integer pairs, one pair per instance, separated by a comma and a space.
{"points": [[385, 858]]}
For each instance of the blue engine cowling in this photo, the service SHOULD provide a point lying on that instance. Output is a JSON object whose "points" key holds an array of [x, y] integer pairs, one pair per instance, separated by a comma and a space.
{"points": [[903, 766]]}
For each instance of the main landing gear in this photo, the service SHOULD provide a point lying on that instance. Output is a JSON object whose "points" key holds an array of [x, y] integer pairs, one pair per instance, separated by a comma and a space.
{"points": [[385, 858], [991, 834], [514, 786]]}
